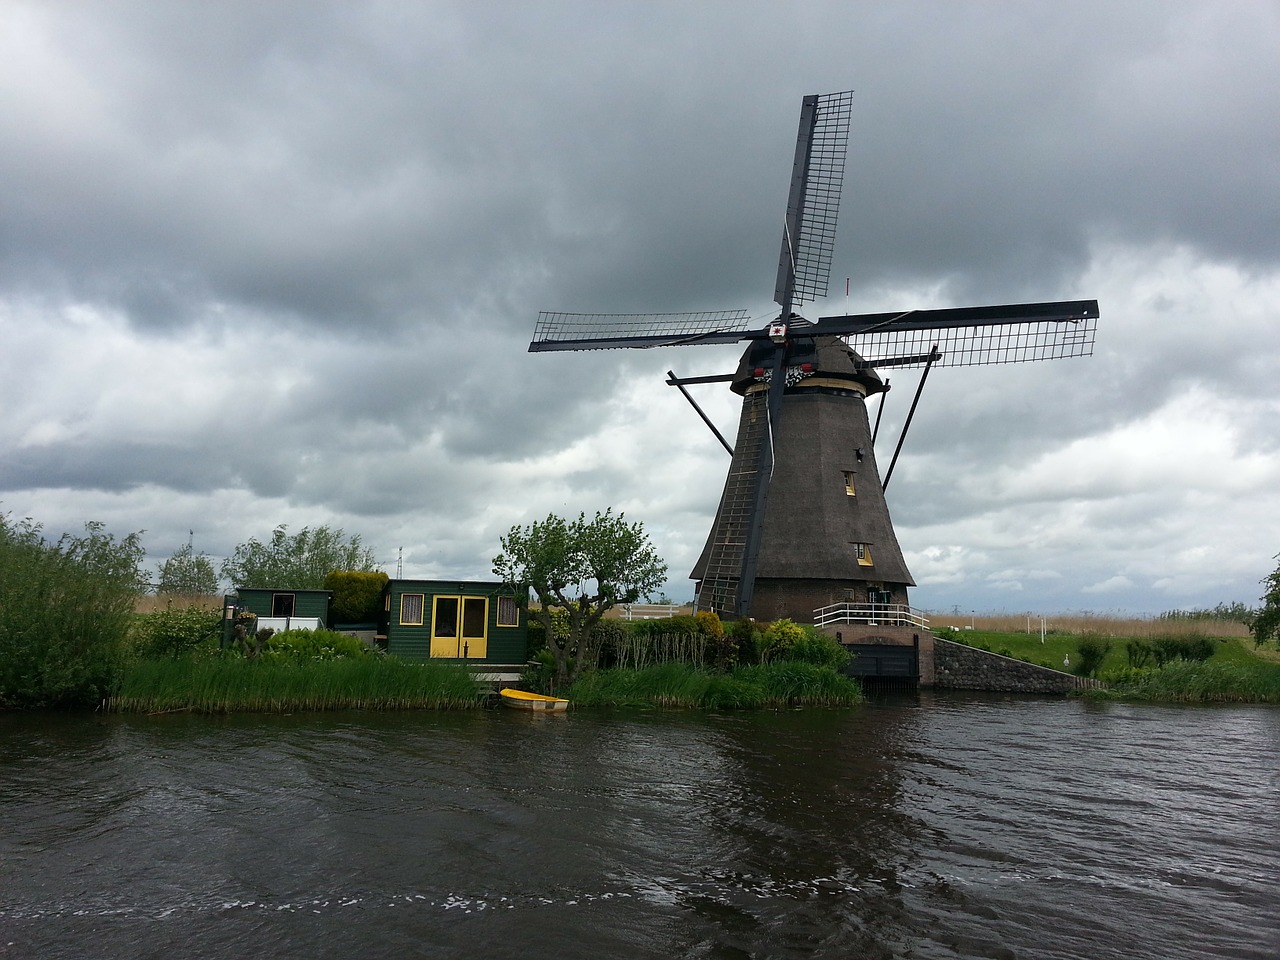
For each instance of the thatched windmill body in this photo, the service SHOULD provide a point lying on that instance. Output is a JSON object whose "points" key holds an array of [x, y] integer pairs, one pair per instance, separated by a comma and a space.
{"points": [[802, 521]]}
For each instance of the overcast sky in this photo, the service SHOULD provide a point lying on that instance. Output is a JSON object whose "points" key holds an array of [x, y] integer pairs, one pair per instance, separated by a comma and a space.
{"points": [[272, 262]]}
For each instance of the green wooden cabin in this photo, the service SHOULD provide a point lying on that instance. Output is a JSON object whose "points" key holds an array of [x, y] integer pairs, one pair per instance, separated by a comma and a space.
{"points": [[478, 621]]}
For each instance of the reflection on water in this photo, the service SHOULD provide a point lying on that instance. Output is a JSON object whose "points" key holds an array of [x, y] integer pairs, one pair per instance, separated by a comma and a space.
{"points": [[916, 827]]}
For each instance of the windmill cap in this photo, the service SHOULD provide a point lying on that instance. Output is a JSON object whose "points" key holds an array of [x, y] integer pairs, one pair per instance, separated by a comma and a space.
{"points": [[828, 358]]}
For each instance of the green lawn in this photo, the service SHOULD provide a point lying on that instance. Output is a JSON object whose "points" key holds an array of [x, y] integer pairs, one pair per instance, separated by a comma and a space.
{"points": [[1024, 646]]}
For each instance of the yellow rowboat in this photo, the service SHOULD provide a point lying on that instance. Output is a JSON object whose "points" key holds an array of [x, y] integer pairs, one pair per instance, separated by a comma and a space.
{"points": [[523, 700]]}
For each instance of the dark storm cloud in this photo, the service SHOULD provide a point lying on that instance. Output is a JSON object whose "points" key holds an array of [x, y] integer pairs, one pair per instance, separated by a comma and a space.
{"points": [[353, 169], [109, 466], [1141, 124], [317, 236]]}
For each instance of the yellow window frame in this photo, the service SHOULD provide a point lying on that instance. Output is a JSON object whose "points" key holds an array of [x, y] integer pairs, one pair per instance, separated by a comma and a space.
{"points": [[421, 599], [508, 606]]}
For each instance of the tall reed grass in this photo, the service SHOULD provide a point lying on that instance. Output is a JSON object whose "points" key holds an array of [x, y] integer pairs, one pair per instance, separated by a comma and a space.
{"points": [[638, 650], [232, 684], [1106, 625], [771, 685], [155, 602]]}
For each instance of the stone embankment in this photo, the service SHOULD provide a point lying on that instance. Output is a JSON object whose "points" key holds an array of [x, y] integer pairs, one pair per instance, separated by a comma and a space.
{"points": [[959, 667]]}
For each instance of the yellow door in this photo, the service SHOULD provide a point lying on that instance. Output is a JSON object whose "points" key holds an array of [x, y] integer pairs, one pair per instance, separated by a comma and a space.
{"points": [[459, 627], [475, 627]]}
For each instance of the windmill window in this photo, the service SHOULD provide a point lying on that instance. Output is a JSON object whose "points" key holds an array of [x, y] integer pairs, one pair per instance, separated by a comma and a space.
{"points": [[411, 607], [848, 483], [863, 552]]}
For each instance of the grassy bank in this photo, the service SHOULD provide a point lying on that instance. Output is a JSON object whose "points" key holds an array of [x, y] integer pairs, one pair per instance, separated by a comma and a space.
{"points": [[1225, 681], [771, 685], [233, 684], [1237, 672]]}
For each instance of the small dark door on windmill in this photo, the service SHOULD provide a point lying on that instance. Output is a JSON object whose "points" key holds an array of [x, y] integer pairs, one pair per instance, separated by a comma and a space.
{"points": [[887, 661]]}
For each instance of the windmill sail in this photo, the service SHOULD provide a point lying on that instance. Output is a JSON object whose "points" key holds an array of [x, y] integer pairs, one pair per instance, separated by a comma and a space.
{"points": [[817, 174], [971, 336], [605, 331]]}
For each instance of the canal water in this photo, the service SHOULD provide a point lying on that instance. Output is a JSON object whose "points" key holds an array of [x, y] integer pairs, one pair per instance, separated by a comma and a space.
{"points": [[927, 826]]}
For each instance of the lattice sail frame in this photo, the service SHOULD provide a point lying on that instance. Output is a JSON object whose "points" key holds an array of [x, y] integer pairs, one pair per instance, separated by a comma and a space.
{"points": [[810, 234], [602, 331], [977, 345]]}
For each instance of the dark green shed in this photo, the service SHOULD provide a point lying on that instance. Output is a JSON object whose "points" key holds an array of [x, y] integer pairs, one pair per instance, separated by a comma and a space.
{"points": [[279, 608], [279, 603], [477, 621]]}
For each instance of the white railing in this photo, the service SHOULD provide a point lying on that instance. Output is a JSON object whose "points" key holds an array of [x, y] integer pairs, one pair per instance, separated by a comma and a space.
{"points": [[651, 611], [280, 624], [872, 614]]}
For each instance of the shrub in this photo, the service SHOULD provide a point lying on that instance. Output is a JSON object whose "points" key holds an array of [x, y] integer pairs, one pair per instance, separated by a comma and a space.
{"points": [[817, 648], [173, 632], [1166, 648], [540, 672], [794, 642], [1197, 647], [65, 612], [357, 594], [1139, 653], [607, 638], [779, 637], [1091, 651], [749, 639], [305, 645], [1126, 676], [709, 623], [725, 651]]}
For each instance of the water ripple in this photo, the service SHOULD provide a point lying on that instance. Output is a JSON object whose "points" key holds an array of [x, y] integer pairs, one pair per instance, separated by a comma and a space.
{"points": [[926, 827]]}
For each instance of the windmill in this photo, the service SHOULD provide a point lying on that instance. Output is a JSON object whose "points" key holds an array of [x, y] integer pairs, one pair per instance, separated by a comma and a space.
{"points": [[802, 521]]}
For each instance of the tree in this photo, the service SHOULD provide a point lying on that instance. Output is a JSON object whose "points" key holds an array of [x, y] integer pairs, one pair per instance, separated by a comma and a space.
{"points": [[583, 567], [301, 560], [1266, 624], [188, 573]]}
